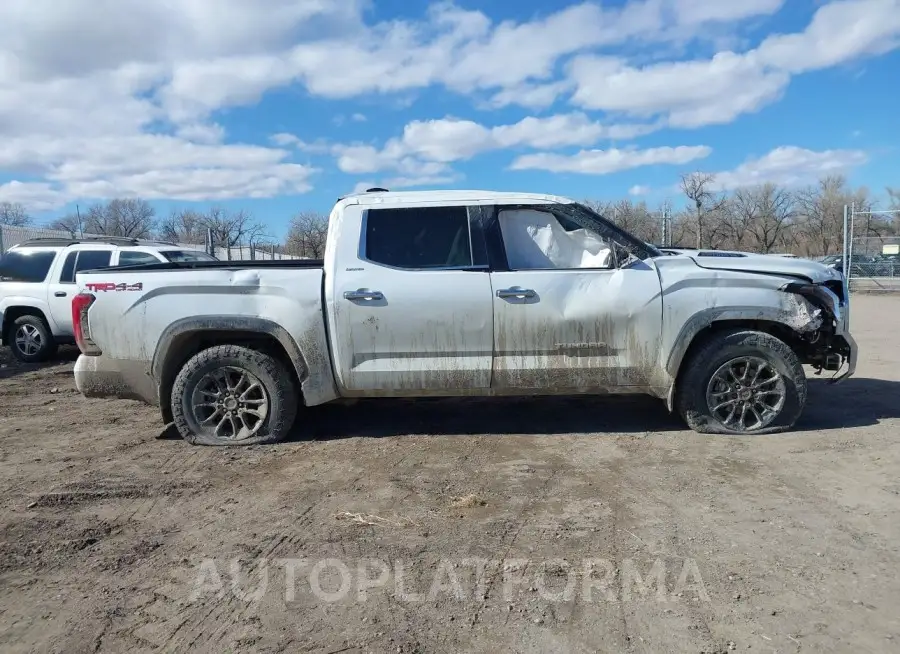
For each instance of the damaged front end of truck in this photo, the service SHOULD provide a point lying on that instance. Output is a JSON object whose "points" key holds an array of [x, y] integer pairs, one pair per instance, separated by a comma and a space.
{"points": [[818, 315]]}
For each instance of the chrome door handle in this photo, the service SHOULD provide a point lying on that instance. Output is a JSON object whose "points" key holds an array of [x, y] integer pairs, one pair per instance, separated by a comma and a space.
{"points": [[516, 292], [363, 294]]}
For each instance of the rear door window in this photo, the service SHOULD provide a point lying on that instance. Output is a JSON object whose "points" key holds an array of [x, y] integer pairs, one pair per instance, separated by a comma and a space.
{"points": [[419, 237], [81, 260]]}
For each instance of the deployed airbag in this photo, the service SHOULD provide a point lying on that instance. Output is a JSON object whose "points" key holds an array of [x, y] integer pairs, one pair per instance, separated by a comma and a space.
{"points": [[536, 239]]}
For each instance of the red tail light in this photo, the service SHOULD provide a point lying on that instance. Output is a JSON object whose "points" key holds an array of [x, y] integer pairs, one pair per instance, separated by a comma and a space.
{"points": [[81, 328]]}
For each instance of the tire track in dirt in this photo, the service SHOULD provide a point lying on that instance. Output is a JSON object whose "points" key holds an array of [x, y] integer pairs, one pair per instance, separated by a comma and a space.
{"points": [[515, 527], [230, 612], [639, 489]]}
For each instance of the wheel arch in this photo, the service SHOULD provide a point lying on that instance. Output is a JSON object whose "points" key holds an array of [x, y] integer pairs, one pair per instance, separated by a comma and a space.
{"points": [[184, 338], [13, 313], [708, 323]]}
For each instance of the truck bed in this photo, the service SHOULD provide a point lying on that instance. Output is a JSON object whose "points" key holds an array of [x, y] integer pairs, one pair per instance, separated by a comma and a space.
{"points": [[137, 314]]}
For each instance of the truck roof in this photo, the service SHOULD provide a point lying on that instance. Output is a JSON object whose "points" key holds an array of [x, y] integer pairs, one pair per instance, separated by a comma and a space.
{"points": [[500, 197]]}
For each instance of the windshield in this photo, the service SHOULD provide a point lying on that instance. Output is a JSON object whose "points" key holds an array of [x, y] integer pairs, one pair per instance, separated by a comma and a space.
{"points": [[187, 255]]}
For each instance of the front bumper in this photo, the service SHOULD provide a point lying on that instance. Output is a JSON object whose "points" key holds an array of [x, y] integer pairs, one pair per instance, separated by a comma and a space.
{"points": [[852, 356], [102, 376]]}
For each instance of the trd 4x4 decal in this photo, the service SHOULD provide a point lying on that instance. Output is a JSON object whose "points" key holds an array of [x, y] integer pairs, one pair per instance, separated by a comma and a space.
{"points": [[111, 286]]}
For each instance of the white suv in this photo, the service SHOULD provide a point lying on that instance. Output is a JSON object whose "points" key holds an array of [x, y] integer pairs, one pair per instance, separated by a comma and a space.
{"points": [[37, 282]]}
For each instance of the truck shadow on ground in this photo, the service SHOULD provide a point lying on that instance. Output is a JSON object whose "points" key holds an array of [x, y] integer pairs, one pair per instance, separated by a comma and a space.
{"points": [[469, 416], [12, 367], [857, 402]]}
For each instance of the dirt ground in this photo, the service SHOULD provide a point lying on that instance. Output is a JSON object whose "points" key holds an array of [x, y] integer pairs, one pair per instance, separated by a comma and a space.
{"points": [[576, 525]]}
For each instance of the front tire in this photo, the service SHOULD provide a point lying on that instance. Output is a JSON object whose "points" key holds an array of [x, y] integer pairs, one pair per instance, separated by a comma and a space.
{"points": [[742, 383], [31, 340], [232, 395]]}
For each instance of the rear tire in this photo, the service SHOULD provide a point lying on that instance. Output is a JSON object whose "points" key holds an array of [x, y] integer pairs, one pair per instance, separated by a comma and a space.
{"points": [[31, 340], [232, 395], [742, 383]]}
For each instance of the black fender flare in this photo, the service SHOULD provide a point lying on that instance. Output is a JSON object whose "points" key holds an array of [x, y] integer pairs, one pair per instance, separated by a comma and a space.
{"points": [[186, 327], [705, 318]]}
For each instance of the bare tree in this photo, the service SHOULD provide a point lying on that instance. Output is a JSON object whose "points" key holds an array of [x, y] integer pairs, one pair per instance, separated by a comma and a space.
{"points": [[71, 223], [741, 211], [601, 207], [183, 226], [232, 228], [636, 218], [775, 208], [14, 214], [894, 204], [121, 217], [893, 197], [306, 235], [821, 210], [697, 187]]}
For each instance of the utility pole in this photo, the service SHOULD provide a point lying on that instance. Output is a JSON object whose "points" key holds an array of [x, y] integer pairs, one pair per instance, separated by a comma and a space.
{"points": [[848, 267], [665, 225], [80, 224]]}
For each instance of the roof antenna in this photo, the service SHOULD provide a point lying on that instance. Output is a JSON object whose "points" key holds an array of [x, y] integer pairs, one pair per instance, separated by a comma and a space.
{"points": [[377, 190]]}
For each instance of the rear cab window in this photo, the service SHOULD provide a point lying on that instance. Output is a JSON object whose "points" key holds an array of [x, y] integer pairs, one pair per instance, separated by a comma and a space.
{"points": [[187, 255], [26, 265], [136, 257], [419, 238]]}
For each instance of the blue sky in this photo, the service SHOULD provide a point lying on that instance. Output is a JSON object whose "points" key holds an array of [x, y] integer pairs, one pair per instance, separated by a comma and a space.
{"points": [[278, 106]]}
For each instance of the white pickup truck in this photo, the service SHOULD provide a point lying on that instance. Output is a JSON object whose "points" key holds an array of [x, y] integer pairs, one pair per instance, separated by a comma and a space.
{"points": [[455, 293]]}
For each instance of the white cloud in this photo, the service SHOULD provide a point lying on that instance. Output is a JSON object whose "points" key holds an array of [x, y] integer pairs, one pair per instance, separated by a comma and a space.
{"points": [[153, 166], [790, 166], [602, 162], [639, 189], [839, 32], [52, 39], [425, 147], [152, 79], [210, 54], [695, 93], [697, 12], [532, 96], [199, 183], [36, 196], [689, 93], [201, 132], [410, 181], [285, 140]]}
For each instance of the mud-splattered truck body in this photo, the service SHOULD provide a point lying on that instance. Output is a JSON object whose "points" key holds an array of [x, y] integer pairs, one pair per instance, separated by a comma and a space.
{"points": [[455, 293]]}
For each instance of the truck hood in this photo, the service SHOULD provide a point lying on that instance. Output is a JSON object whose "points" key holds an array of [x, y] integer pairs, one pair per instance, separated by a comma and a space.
{"points": [[768, 264]]}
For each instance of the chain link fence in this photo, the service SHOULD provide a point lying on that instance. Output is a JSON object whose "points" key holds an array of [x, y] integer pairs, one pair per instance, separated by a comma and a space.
{"points": [[870, 258], [262, 252], [875, 256]]}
